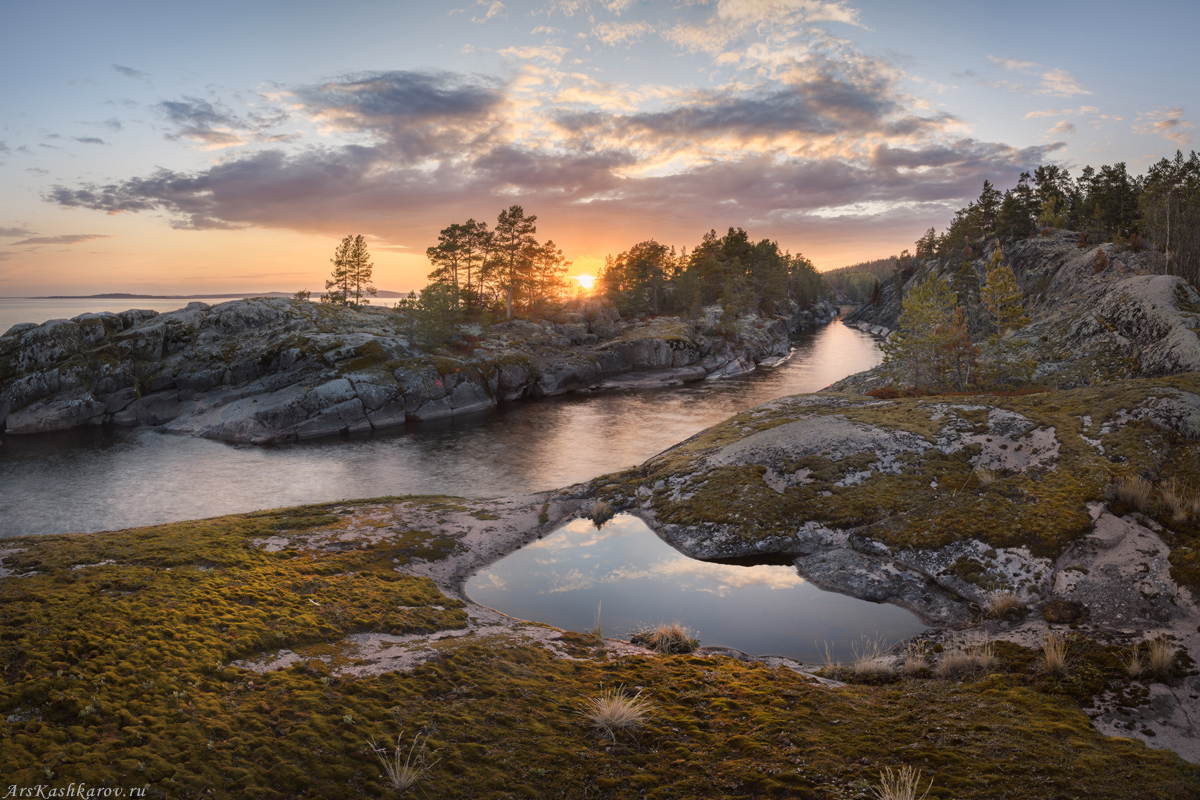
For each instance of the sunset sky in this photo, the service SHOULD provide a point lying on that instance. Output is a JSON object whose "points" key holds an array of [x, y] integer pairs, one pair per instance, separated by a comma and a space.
{"points": [[158, 147]]}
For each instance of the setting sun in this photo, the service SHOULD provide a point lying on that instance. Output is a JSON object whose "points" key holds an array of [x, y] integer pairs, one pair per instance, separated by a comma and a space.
{"points": [[585, 281]]}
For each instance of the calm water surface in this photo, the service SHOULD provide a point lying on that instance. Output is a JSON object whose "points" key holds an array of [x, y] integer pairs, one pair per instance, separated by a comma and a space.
{"points": [[109, 479], [637, 579]]}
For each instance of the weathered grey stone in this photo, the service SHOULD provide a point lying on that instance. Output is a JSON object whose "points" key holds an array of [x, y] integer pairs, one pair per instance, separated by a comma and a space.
{"points": [[59, 413]]}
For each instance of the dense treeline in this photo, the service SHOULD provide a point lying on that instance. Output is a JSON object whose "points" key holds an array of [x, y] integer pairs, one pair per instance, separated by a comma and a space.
{"points": [[505, 269], [1160, 208], [740, 274], [858, 283], [931, 349]]}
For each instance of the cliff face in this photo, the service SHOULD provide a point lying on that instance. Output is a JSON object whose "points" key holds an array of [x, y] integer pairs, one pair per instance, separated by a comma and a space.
{"points": [[1090, 323], [267, 370]]}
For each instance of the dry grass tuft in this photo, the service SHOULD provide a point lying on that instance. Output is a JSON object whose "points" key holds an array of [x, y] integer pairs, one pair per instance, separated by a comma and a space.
{"points": [[601, 512], [985, 476], [1174, 496], [999, 603], [901, 785], [1133, 664], [916, 656], [966, 654], [868, 659], [667, 638], [403, 775], [1134, 492], [1054, 653], [1161, 656], [613, 711]]}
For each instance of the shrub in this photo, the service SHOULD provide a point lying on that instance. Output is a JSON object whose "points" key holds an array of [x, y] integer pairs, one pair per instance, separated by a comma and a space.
{"points": [[1082, 240], [1135, 243], [1099, 261], [613, 711], [666, 638], [901, 785]]}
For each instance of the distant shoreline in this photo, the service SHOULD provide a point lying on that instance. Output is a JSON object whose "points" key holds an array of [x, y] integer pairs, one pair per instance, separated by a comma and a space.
{"points": [[215, 296]]}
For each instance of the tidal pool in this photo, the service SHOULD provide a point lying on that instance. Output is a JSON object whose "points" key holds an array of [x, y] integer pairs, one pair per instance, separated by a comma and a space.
{"points": [[636, 579]]}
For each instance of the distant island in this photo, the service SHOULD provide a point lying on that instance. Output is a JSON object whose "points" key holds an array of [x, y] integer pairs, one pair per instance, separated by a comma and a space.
{"points": [[130, 296]]}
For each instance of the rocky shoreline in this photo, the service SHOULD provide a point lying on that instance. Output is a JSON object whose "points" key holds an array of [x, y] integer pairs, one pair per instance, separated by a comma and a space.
{"points": [[267, 370]]}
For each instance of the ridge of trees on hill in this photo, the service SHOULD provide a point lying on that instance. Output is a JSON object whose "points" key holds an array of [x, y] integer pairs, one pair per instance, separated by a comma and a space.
{"points": [[931, 349], [858, 283]]}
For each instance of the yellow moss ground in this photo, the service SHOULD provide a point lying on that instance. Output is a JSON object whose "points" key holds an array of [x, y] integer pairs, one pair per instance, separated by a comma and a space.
{"points": [[118, 675]]}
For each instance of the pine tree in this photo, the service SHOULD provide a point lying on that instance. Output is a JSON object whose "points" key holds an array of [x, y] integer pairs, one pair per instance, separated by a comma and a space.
{"points": [[1001, 296], [1003, 363], [337, 288], [513, 249], [917, 351], [358, 272]]}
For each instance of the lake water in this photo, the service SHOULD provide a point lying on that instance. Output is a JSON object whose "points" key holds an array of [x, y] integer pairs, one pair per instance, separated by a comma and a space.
{"points": [[106, 479], [638, 580]]}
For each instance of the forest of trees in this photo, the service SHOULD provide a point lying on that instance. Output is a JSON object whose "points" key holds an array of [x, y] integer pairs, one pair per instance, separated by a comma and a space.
{"points": [[729, 270], [506, 270], [931, 350], [1160, 209]]}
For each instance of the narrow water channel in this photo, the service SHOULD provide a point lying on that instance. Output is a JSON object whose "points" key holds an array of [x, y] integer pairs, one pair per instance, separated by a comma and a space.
{"points": [[636, 580], [103, 479]]}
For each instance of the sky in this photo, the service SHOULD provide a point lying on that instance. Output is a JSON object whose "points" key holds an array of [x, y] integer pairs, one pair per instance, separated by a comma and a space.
{"points": [[192, 148]]}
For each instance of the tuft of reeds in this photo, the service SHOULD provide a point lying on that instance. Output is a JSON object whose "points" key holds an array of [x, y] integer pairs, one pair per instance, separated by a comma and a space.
{"points": [[868, 659], [1161, 656], [1135, 492], [1175, 498], [667, 638], [1000, 602], [1054, 653], [986, 476], [601, 512], [615, 711], [1134, 665], [404, 774], [916, 656], [901, 785], [966, 654]]}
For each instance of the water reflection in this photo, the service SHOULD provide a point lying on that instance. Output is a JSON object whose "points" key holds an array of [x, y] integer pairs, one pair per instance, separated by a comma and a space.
{"points": [[94, 480], [637, 579]]}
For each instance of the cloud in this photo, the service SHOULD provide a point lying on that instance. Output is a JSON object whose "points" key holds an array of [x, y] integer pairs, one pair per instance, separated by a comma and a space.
{"points": [[615, 34], [13, 232], [1060, 82], [130, 72], [1012, 63], [74, 238], [810, 132], [546, 52], [88, 140], [1062, 127], [1167, 123]]}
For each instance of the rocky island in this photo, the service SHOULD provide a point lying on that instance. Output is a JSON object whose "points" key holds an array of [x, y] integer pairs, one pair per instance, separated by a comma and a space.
{"points": [[276, 654], [267, 370]]}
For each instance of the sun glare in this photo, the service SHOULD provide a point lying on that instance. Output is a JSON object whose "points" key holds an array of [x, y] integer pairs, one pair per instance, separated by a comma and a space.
{"points": [[585, 281]]}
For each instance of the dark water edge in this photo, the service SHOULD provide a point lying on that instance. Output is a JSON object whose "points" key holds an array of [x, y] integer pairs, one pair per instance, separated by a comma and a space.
{"points": [[107, 479]]}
